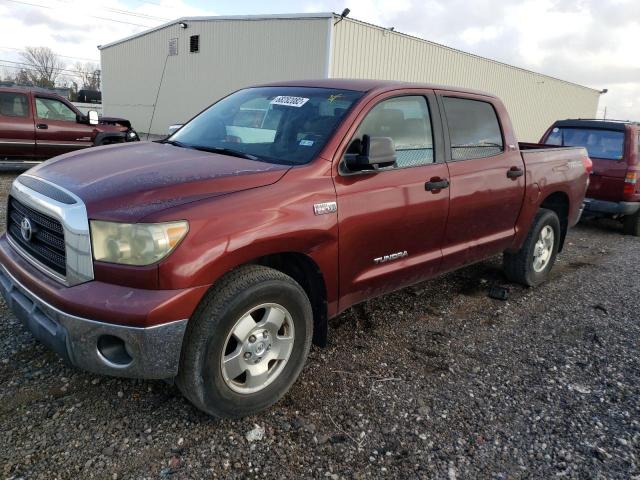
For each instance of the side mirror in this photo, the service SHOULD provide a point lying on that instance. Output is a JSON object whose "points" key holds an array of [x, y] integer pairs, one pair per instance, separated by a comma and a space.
{"points": [[375, 153], [173, 128], [93, 117]]}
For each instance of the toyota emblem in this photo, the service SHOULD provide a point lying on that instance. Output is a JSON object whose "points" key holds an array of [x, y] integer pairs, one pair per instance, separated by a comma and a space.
{"points": [[26, 230]]}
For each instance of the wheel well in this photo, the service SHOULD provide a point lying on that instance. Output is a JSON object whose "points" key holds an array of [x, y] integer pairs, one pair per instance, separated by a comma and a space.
{"points": [[559, 203], [107, 138], [307, 273]]}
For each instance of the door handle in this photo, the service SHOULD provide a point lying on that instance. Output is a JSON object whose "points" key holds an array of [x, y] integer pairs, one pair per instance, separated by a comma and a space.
{"points": [[42, 126], [436, 184], [515, 172]]}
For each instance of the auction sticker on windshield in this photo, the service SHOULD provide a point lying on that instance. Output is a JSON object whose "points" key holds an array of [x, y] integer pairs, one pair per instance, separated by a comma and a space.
{"points": [[289, 101]]}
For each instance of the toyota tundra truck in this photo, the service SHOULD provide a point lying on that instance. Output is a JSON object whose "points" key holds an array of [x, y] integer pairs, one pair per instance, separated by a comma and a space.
{"points": [[215, 257], [614, 147], [36, 124]]}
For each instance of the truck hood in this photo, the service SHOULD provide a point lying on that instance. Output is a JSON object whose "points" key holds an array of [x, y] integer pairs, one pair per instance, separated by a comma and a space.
{"points": [[127, 182]]}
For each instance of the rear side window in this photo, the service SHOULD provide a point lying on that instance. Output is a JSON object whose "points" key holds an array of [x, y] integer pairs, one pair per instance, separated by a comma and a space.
{"points": [[13, 105], [602, 144], [407, 122], [474, 129]]}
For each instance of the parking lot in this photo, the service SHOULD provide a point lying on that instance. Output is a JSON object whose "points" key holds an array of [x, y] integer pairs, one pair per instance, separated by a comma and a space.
{"points": [[435, 381]]}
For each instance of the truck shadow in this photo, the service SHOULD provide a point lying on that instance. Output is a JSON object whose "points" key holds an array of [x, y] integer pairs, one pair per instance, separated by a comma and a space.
{"points": [[602, 224]]}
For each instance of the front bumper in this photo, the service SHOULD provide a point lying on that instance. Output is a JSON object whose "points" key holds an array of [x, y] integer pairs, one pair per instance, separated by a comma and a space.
{"points": [[98, 347], [603, 207]]}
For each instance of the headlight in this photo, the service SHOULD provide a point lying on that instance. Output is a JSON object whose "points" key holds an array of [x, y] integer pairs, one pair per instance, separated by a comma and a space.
{"points": [[135, 243], [131, 136]]}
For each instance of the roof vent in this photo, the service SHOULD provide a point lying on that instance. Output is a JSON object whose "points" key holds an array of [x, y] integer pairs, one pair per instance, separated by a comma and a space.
{"points": [[194, 43]]}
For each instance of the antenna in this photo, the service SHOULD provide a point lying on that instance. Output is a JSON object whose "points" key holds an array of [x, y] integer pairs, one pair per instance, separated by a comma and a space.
{"points": [[155, 104]]}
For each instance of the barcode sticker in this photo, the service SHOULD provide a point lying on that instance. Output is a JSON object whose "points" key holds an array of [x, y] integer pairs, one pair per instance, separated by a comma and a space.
{"points": [[289, 101]]}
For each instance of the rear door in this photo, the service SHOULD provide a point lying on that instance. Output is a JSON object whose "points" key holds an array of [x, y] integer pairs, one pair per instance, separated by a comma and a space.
{"points": [[608, 152], [390, 224], [57, 128], [487, 178], [17, 136]]}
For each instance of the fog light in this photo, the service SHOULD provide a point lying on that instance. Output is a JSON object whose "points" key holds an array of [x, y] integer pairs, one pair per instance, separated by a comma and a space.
{"points": [[114, 351]]}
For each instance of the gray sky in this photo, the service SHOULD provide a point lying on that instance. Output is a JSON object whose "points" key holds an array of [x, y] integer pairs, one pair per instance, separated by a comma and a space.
{"points": [[590, 42]]}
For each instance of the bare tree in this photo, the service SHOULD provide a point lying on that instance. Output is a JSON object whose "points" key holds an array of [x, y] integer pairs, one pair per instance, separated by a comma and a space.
{"points": [[20, 77], [89, 75], [44, 65]]}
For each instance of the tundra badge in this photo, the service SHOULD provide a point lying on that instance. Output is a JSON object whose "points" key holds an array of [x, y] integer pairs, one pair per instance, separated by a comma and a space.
{"points": [[326, 207], [388, 258]]}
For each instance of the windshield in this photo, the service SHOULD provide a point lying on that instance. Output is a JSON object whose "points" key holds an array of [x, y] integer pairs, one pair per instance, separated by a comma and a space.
{"points": [[288, 125], [607, 144]]}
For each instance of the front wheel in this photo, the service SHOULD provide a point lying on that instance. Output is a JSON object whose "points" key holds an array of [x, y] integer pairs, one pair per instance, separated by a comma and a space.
{"points": [[247, 342], [531, 265]]}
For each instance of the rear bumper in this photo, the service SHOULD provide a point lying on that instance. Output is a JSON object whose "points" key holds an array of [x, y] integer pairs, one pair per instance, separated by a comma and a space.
{"points": [[104, 348], [603, 207]]}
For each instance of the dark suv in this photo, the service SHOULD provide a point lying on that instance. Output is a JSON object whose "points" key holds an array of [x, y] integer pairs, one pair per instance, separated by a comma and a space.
{"points": [[614, 148]]}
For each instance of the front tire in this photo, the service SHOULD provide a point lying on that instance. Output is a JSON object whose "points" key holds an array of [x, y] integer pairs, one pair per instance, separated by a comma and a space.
{"points": [[247, 342], [531, 265], [632, 224]]}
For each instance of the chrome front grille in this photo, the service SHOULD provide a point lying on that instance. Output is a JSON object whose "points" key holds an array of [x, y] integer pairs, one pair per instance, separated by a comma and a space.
{"points": [[45, 242], [49, 227]]}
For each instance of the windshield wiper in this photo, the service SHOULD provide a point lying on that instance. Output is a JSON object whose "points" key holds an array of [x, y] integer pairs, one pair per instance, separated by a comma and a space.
{"points": [[175, 143], [224, 151]]}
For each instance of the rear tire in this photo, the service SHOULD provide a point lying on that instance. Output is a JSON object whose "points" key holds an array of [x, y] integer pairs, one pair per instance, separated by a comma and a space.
{"points": [[531, 265], [246, 343], [632, 224]]}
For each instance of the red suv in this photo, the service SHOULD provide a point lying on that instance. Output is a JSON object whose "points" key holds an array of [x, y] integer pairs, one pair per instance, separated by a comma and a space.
{"points": [[36, 124], [614, 148]]}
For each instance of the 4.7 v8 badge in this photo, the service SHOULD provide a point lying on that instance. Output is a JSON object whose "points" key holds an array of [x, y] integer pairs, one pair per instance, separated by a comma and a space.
{"points": [[388, 258]]}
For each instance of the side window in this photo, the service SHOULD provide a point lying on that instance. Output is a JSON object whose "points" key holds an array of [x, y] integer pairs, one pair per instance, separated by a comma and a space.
{"points": [[13, 105], [406, 120], [473, 128], [53, 109]]}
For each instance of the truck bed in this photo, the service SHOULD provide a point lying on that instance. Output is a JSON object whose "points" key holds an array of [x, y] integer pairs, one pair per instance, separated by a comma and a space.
{"points": [[552, 169]]}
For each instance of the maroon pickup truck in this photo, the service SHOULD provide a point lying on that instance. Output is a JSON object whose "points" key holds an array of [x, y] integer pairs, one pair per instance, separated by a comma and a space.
{"points": [[216, 256], [614, 147], [36, 124]]}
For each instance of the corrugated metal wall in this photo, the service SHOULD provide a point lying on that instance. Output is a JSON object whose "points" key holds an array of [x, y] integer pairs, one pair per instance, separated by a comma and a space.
{"points": [[534, 101], [233, 54]]}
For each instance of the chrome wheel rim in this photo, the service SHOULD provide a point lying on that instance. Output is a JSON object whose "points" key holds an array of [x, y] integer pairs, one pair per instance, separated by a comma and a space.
{"points": [[257, 348], [543, 249]]}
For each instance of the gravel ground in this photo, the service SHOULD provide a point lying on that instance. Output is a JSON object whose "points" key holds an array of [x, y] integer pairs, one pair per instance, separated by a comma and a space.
{"points": [[434, 381]]}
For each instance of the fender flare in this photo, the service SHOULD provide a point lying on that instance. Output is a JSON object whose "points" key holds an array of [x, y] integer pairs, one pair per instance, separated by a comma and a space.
{"points": [[102, 136]]}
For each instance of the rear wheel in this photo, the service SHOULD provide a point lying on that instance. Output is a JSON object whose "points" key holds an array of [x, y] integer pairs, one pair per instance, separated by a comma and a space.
{"points": [[247, 342], [632, 224], [531, 265]]}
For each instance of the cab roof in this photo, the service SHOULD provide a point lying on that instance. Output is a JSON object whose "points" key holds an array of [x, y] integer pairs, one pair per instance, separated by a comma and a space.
{"points": [[368, 85], [595, 123], [28, 89]]}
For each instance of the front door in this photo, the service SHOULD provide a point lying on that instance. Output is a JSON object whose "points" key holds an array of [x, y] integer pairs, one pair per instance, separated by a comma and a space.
{"points": [[487, 176], [390, 225], [57, 128]]}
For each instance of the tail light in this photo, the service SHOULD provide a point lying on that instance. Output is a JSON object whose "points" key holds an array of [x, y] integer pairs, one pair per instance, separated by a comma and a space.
{"points": [[630, 181], [588, 165]]}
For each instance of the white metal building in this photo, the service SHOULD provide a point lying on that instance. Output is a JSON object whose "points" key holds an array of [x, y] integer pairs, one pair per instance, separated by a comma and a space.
{"points": [[183, 66]]}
